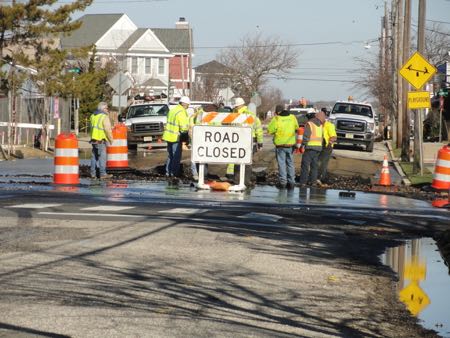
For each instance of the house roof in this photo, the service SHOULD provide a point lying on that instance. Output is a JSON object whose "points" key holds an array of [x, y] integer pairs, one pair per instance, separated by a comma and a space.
{"points": [[175, 39], [212, 67], [133, 38], [93, 27]]}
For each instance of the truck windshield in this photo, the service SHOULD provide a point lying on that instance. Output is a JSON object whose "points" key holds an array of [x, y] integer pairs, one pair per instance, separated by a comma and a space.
{"points": [[147, 110], [355, 109]]}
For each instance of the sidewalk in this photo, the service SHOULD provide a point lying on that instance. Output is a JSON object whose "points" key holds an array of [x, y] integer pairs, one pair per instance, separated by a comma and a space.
{"points": [[430, 151]]}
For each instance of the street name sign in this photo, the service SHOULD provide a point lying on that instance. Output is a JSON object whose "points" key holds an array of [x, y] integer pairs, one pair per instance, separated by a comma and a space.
{"points": [[419, 100], [417, 70], [222, 144]]}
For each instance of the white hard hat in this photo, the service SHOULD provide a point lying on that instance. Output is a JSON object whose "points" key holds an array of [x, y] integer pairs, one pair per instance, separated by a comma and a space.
{"points": [[239, 101], [185, 99]]}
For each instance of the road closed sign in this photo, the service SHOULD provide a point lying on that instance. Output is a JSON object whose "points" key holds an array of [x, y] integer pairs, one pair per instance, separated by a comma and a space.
{"points": [[222, 144]]}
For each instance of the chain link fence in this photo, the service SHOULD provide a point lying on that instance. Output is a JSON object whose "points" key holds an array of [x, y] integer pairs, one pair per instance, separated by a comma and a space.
{"points": [[25, 121]]}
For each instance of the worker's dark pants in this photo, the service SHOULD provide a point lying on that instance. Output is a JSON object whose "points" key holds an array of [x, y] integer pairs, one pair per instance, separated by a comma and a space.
{"points": [[324, 158], [174, 152], [310, 166]]}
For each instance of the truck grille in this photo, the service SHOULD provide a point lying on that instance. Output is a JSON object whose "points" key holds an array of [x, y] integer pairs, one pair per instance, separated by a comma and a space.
{"points": [[349, 125], [145, 128]]}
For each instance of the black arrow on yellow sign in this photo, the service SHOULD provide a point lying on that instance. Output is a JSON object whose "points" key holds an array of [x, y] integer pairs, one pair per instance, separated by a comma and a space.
{"points": [[418, 70]]}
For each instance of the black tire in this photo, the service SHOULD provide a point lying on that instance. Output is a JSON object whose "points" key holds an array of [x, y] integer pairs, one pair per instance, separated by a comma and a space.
{"points": [[369, 147]]}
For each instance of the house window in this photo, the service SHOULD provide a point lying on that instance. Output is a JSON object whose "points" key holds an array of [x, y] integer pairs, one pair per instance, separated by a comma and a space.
{"points": [[161, 66], [134, 65], [148, 65]]}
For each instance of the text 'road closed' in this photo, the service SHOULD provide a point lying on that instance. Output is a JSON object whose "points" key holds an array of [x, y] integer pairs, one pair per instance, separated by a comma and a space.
{"points": [[222, 144]]}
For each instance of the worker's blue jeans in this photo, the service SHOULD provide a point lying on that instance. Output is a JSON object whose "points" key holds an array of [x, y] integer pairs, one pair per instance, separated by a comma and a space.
{"points": [[98, 159], [286, 170], [174, 150]]}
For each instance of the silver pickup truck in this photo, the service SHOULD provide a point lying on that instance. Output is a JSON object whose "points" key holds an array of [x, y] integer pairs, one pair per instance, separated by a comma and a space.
{"points": [[145, 122]]}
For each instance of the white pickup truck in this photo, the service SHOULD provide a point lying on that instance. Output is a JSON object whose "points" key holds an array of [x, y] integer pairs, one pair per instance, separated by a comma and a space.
{"points": [[355, 123], [145, 122]]}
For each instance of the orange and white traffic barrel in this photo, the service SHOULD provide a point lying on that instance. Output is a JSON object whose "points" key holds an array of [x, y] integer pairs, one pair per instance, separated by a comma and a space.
{"points": [[66, 160], [441, 176], [117, 152], [299, 142]]}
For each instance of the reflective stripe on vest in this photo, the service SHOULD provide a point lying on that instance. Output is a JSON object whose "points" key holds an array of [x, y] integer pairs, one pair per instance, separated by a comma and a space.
{"points": [[97, 130], [315, 140], [175, 123]]}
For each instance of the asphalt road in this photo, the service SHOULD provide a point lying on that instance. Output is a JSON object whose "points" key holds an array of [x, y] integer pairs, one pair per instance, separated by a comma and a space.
{"points": [[86, 265]]}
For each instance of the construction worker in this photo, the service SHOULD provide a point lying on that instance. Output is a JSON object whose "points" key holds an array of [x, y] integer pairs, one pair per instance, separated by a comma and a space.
{"points": [[196, 119], [329, 139], [257, 133], [311, 148], [175, 133], [101, 134], [283, 127]]}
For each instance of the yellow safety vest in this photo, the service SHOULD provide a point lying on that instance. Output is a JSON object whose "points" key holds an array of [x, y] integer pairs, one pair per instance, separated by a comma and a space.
{"points": [[284, 129], [97, 130], [329, 131], [177, 122], [315, 140], [257, 131]]}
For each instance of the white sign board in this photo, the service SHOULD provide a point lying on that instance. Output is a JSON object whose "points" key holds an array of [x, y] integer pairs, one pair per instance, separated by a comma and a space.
{"points": [[222, 144]]}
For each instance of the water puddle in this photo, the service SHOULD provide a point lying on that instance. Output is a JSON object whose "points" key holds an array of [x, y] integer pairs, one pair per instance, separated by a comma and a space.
{"points": [[424, 282]]}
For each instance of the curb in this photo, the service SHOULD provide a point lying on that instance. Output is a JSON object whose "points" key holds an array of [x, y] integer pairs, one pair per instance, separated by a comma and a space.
{"points": [[397, 166]]}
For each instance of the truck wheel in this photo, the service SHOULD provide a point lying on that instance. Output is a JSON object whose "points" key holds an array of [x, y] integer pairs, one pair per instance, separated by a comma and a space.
{"points": [[369, 147]]}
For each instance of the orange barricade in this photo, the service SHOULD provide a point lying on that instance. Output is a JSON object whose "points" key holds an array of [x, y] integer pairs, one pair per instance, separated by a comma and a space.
{"points": [[441, 176], [299, 142], [66, 160], [117, 152]]}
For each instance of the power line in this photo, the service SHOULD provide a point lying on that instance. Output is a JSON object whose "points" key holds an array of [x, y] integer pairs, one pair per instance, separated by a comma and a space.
{"points": [[291, 44], [308, 79]]}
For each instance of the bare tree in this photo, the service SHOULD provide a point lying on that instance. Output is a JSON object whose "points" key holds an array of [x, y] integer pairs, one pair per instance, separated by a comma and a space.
{"points": [[270, 97], [256, 60], [437, 43]]}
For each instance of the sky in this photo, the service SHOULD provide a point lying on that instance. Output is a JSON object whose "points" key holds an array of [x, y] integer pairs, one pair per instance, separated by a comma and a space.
{"points": [[329, 34]]}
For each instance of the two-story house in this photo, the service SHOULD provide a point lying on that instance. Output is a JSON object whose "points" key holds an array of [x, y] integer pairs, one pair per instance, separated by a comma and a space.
{"points": [[157, 59]]}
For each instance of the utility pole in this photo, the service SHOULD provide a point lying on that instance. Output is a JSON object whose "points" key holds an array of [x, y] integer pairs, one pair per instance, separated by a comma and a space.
{"points": [[406, 51], [191, 90], [399, 42], [418, 135], [394, 44], [382, 63]]}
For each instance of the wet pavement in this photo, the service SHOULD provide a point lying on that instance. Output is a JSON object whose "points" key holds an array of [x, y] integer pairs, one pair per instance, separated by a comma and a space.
{"points": [[424, 282], [15, 175]]}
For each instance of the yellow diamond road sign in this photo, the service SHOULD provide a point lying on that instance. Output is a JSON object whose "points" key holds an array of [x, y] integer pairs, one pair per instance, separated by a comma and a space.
{"points": [[415, 298], [417, 70]]}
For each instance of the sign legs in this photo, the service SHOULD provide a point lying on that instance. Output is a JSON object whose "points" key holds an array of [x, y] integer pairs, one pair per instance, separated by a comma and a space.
{"points": [[201, 178], [241, 186]]}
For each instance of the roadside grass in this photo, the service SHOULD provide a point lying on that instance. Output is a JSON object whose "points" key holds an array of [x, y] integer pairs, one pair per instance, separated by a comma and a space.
{"points": [[416, 179]]}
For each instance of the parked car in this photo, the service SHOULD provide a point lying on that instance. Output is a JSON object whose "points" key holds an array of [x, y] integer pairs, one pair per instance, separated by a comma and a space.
{"points": [[355, 123]]}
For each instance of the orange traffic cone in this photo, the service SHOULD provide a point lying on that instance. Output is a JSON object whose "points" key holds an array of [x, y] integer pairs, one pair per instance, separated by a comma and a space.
{"points": [[385, 177]]}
